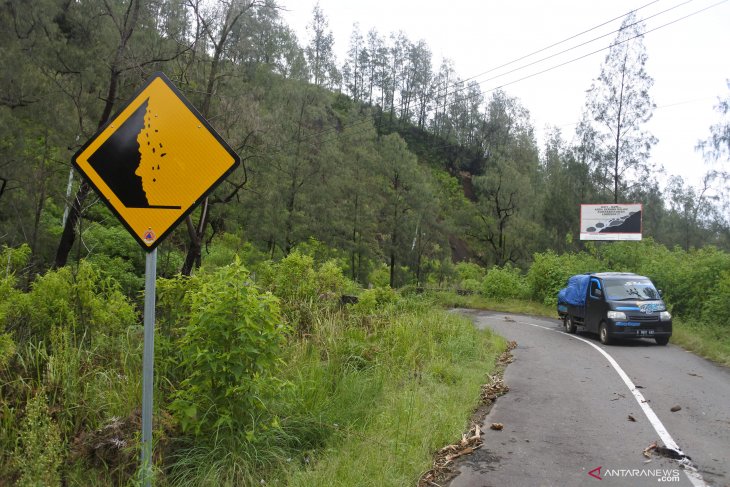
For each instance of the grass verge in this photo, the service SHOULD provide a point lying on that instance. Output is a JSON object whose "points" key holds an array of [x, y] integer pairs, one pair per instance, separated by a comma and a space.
{"points": [[450, 299], [412, 383], [708, 341]]}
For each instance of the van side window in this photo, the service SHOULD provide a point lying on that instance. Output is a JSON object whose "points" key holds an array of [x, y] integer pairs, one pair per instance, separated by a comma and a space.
{"points": [[595, 285]]}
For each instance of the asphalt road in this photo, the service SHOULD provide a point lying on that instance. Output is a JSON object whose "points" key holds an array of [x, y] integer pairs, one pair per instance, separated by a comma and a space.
{"points": [[567, 413]]}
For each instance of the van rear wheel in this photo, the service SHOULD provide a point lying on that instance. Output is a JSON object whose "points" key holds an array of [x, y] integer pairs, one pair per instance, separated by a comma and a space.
{"points": [[603, 334], [661, 340]]}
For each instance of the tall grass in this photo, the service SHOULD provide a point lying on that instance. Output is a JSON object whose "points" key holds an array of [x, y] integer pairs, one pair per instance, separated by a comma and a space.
{"points": [[390, 398]]}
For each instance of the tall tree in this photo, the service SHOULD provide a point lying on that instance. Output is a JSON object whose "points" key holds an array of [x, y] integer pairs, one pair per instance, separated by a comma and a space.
{"points": [[404, 183], [352, 71], [320, 51], [617, 108], [717, 146], [566, 184], [214, 26], [504, 191]]}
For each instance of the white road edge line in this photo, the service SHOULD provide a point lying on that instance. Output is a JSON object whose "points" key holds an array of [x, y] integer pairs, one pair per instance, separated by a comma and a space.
{"points": [[692, 474]]}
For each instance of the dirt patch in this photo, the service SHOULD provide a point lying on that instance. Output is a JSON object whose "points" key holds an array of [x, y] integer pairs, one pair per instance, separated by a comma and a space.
{"points": [[441, 471]]}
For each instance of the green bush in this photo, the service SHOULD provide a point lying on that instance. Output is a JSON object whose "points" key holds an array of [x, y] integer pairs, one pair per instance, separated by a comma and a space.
{"points": [[226, 247], [716, 309], [79, 298], [373, 300], [38, 455], [470, 270], [380, 276], [687, 279], [549, 273], [230, 349], [7, 349], [469, 276], [304, 290], [14, 260], [505, 283]]}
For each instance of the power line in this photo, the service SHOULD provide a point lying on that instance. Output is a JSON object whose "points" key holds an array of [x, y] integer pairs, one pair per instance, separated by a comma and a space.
{"points": [[342, 134], [460, 85], [574, 47], [564, 41]]}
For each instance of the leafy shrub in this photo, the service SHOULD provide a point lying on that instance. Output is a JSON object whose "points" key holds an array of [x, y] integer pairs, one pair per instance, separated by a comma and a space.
{"points": [[628, 256], [380, 276], [120, 270], [13, 260], [469, 271], [688, 279], [293, 278], [39, 452], [717, 307], [80, 298], [112, 240], [303, 290], [7, 349], [230, 349], [549, 273], [375, 299], [504, 283], [226, 247]]}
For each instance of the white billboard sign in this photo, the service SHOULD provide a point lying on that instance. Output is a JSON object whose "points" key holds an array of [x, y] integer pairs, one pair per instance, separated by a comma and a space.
{"points": [[611, 222]]}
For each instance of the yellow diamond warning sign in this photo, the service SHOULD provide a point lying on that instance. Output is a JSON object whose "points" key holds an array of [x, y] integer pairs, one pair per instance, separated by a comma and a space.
{"points": [[155, 160]]}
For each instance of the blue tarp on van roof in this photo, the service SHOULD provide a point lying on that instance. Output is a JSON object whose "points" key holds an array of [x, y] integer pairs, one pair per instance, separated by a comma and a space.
{"points": [[575, 293]]}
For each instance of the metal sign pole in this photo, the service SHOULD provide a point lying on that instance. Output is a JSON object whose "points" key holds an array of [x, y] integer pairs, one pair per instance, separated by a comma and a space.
{"points": [[148, 365]]}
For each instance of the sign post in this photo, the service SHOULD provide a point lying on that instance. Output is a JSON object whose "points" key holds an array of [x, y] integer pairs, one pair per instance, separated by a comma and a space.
{"points": [[150, 278], [152, 164]]}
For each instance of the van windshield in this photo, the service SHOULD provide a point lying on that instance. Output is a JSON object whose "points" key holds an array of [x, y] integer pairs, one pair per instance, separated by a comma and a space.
{"points": [[625, 289]]}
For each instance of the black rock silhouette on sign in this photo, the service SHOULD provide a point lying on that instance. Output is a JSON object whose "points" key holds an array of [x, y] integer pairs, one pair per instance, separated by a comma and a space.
{"points": [[117, 159], [630, 223]]}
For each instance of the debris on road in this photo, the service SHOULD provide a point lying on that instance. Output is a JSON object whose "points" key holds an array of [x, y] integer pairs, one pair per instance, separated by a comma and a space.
{"points": [[469, 443], [647, 451], [495, 388], [631, 418], [507, 318], [676, 408], [497, 426], [664, 452]]}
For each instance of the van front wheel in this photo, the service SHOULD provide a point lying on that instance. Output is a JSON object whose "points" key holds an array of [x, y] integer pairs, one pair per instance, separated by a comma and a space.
{"points": [[661, 340], [603, 334]]}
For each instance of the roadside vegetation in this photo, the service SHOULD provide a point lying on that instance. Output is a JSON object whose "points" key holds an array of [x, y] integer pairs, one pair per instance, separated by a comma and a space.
{"points": [[262, 373], [258, 378]]}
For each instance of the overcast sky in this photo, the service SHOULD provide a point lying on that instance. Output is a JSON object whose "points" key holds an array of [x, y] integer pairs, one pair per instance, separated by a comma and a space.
{"points": [[688, 59]]}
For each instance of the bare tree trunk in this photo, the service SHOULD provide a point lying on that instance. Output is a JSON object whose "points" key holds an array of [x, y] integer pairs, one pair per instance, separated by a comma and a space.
{"points": [[69, 230], [197, 232]]}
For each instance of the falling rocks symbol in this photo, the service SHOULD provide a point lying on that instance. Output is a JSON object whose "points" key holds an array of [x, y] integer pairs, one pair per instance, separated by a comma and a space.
{"points": [[117, 159]]}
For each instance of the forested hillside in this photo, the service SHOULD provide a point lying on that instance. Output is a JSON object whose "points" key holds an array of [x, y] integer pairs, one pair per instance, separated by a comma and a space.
{"points": [[383, 158]]}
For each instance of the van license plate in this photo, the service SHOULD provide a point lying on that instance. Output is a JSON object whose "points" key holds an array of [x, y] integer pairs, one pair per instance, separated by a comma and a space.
{"points": [[645, 332]]}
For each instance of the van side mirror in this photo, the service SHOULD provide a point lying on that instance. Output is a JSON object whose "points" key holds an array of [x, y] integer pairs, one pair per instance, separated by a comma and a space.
{"points": [[599, 292], [661, 294]]}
